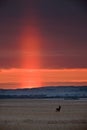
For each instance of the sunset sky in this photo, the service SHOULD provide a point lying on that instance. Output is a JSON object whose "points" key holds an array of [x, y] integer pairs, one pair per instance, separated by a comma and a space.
{"points": [[43, 43]]}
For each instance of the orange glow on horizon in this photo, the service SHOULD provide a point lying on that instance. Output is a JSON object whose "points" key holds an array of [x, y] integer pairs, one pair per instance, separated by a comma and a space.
{"points": [[50, 77]]}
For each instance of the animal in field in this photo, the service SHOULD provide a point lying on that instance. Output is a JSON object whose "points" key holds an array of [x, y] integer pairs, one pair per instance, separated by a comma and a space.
{"points": [[58, 109]]}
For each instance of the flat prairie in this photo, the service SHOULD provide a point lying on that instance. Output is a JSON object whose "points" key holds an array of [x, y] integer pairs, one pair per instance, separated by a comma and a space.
{"points": [[40, 114]]}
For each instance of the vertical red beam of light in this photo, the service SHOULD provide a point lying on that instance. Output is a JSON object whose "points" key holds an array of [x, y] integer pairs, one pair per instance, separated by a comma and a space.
{"points": [[30, 48]]}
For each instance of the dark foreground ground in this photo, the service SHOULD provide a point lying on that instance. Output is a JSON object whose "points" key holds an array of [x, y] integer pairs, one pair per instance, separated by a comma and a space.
{"points": [[40, 114]]}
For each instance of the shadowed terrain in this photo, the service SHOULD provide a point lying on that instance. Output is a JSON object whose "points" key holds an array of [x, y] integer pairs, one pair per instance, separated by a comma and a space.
{"points": [[37, 114]]}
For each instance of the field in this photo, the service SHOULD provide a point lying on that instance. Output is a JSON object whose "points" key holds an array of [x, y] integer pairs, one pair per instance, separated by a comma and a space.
{"points": [[40, 114]]}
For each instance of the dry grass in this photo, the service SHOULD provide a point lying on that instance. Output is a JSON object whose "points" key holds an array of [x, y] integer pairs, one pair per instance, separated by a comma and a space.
{"points": [[26, 114]]}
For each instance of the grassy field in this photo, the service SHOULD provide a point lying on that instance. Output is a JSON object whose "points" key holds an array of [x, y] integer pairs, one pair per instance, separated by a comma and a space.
{"points": [[31, 114]]}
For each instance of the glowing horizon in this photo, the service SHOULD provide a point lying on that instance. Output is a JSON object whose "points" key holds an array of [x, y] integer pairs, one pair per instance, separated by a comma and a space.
{"points": [[49, 77]]}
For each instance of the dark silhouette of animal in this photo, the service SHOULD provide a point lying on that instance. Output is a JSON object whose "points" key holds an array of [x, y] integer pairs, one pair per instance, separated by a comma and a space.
{"points": [[58, 109]]}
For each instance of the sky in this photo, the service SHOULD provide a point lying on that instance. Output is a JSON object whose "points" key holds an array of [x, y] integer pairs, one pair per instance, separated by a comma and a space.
{"points": [[43, 43]]}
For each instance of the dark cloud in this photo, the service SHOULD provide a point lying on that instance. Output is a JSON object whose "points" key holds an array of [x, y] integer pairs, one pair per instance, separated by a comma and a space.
{"points": [[63, 28], [3, 2], [65, 62], [9, 85]]}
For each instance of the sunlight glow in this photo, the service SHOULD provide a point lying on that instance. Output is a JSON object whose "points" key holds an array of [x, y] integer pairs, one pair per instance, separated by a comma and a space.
{"points": [[31, 77], [30, 44]]}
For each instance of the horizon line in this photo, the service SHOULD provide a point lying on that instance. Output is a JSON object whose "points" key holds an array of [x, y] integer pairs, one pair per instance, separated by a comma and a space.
{"points": [[43, 87]]}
